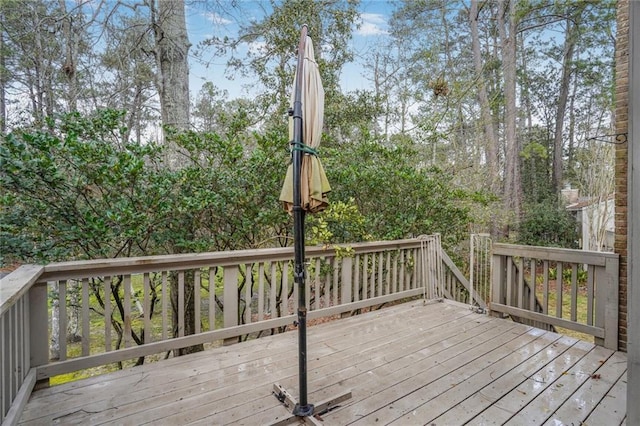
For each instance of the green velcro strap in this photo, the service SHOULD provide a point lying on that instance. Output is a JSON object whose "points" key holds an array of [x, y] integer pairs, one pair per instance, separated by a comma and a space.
{"points": [[299, 146]]}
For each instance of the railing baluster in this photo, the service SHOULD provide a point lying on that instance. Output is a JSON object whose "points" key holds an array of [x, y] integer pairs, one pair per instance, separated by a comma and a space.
{"points": [[197, 305], [260, 291], [213, 306], [327, 283], [248, 293], [510, 280], [345, 281], [86, 333], [380, 276], [146, 308], [574, 292], [402, 271], [559, 285], [19, 342], [62, 319], [356, 280], [520, 273], [591, 272], [5, 398], [394, 280], [365, 276], [372, 277], [165, 305], [336, 285], [545, 287], [295, 296], [414, 278], [107, 313], [13, 355], [181, 304], [274, 288], [388, 279], [126, 284], [533, 265], [285, 287], [317, 286]]}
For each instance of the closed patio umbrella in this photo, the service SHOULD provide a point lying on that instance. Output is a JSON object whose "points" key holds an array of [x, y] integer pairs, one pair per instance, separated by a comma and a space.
{"points": [[313, 180]]}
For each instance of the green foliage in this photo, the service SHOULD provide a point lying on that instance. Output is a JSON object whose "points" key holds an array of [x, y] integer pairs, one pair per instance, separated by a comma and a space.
{"points": [[397, 195], [77, 192], [544, 224], [581, 275], [329, 23], [536, 160], [341, 222], [83, 191]]}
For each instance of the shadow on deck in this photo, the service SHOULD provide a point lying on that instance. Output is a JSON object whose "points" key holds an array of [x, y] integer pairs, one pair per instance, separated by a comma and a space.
{"points": [[414, 363]]}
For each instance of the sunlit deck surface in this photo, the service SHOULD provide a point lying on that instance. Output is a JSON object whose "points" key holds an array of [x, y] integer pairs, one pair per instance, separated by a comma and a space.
{"points": [[435, 364]]}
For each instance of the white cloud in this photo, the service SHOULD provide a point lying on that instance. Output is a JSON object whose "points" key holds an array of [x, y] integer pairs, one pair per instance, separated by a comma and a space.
{"points": [[372, 24], [257, 47], [217, 19]]}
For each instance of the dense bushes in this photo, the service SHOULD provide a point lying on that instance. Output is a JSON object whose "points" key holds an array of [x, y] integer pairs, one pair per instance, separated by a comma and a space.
{"points": [[80, 191]]}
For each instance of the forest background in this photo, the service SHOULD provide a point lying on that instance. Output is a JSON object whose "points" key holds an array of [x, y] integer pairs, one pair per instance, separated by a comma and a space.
{"points": [[474, 117]]}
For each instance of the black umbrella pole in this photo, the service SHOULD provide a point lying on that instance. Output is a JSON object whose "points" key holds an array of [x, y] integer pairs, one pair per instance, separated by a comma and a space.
{"points": [[302, 408]]}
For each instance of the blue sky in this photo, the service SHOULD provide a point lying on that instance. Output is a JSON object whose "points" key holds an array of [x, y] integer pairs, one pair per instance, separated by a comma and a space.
{"points": [[202, 24]]}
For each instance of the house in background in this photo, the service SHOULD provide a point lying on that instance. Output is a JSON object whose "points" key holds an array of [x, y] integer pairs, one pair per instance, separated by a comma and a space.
{"points": [[595, 218]]}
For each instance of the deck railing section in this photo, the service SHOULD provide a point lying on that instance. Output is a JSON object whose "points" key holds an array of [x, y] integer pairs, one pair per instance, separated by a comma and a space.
{"points": [[22, 318], [108, 311], [573, 289]]}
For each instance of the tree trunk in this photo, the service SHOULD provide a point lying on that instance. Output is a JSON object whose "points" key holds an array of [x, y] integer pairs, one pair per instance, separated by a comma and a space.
{"points": [[70, 62], [491, 141], [172, 47], [567, 59], [512, 184]]}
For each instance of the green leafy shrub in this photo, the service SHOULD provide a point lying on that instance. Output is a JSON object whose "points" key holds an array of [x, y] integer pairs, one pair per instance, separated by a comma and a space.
{"points": [[544, 224]]}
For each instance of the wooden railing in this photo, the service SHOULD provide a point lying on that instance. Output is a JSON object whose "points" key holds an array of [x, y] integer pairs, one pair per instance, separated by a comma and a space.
{"points": [[573, 289], [239, 294]]}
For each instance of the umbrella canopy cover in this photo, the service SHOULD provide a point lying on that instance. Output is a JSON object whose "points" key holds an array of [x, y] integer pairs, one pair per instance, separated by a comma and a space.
{"points": [[313, 180]]}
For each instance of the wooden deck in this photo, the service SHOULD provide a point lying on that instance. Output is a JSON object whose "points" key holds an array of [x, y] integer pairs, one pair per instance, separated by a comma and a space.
{"points": [[435, 364]]}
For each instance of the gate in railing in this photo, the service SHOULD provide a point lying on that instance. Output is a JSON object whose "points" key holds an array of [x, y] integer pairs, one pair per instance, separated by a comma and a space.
{"points": [[480, 264]]}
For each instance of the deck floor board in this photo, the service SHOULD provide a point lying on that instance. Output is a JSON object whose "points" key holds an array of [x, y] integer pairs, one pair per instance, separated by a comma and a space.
{"points": [[436, 364]]}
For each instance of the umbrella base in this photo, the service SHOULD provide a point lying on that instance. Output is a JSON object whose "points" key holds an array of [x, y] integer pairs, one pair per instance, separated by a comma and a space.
{"points": [[309, 413]]}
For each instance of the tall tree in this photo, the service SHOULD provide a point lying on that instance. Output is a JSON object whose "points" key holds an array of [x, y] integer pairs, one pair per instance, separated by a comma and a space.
{"points": [[570, 39], [271, 40], [172, 49], [507, 28], [491, 140]]}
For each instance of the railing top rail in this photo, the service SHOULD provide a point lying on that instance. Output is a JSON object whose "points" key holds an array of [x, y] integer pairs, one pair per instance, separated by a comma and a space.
{"points": [[551, 253], [129, 265], [16, 284]]}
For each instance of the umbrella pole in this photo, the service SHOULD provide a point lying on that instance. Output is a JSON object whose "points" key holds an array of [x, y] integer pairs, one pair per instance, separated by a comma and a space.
{"points": [[302, 408]]}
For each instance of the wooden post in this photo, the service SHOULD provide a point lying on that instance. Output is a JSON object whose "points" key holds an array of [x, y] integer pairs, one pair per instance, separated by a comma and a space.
{"points": [[39, 329], [611, 305], [346, 283], [230, 292], [498, 283]]}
